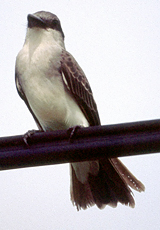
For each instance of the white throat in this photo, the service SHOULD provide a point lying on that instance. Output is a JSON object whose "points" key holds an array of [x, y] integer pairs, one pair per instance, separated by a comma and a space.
{"points": [[36, 36]]}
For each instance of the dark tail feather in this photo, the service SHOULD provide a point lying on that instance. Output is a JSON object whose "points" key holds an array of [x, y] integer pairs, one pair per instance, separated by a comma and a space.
{"points": [[81, 194], [129, 178], [110, 186]]}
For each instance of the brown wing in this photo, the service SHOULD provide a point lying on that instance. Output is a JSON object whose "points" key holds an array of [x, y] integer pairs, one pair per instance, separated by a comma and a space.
{"points": [[23, 96], [78, 85]]}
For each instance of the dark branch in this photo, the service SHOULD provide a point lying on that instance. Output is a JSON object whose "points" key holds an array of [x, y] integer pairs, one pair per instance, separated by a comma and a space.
{"points": [[91, 143]]}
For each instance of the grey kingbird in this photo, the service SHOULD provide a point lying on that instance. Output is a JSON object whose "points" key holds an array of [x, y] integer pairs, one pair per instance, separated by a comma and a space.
{"points": [[58, 95]]}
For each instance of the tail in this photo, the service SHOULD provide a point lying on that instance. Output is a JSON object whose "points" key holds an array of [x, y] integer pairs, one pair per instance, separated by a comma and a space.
{"points": [[109, 186]]}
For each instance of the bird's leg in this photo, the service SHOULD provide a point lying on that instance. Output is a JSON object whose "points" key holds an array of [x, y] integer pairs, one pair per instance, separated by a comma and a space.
{"points": [[28, 135], [72, 132]]}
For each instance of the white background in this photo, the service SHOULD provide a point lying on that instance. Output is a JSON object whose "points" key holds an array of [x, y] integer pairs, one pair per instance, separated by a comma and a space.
{"points": [[117, 43]]}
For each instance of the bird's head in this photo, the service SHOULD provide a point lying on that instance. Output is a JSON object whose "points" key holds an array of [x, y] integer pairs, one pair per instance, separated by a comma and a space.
{"points": [[46, 21]]}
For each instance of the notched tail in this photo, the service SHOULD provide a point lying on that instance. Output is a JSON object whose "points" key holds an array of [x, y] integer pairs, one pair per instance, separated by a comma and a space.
{"points": [[108, 187]]}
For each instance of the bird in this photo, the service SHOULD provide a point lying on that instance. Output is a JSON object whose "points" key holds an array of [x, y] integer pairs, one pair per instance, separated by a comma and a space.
{"points": [[59, 97]]}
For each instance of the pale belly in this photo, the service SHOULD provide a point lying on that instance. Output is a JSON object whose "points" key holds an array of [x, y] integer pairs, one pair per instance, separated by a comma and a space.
{"points": [[53, 105]]}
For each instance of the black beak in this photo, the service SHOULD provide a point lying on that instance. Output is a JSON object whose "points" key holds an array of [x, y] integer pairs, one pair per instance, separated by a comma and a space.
{"points": [[35, 21]]}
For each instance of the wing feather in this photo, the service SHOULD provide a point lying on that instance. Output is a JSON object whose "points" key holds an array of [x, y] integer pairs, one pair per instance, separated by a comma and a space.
{"points": [[78, 85]]}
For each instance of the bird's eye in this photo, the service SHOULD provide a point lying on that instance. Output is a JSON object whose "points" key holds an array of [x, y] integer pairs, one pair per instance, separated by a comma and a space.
{"points": [[54, 22]]}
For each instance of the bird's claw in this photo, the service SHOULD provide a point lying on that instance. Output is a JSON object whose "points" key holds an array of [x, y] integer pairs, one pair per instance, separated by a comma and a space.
{"points": [[72, 132], [28, 135]]}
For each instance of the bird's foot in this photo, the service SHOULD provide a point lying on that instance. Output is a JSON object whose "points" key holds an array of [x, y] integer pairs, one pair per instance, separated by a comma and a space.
{"points": [[72, 132], [28, 135]]}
